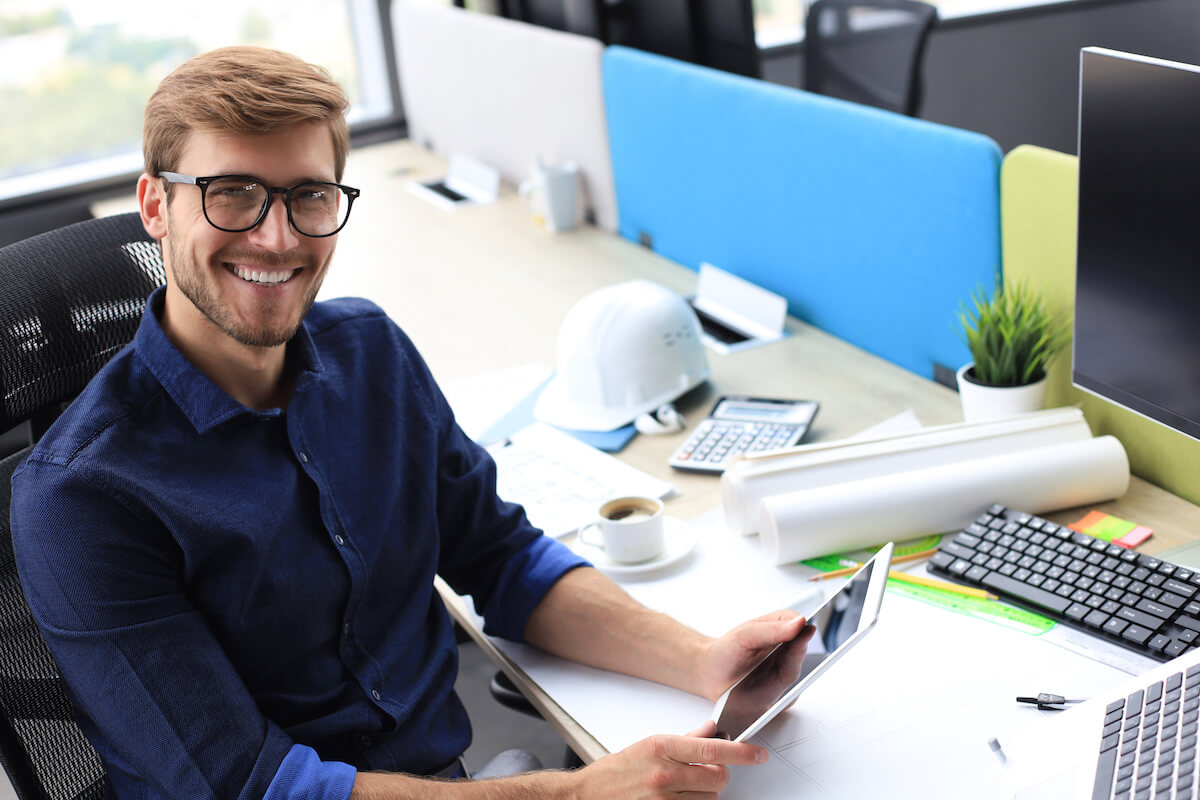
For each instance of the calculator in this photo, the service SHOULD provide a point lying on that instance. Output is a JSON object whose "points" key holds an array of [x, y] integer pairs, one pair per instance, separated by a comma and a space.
{"points": [[738, 425]]}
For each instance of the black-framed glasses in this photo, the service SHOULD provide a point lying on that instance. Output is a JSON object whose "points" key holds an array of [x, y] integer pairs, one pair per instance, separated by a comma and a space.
{"points": [[237, 203]]}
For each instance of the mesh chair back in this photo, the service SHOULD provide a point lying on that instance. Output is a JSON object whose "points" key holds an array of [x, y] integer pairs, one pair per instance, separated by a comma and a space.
{"points": [[71, 299], [41, 748], [868, 51]]}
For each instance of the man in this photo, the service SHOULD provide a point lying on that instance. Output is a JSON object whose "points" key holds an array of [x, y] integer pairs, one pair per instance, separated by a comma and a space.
{"points": [[230, 538]]}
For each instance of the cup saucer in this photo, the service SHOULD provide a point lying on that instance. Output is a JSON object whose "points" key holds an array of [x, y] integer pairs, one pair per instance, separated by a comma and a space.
{"points": [[680, 540]]}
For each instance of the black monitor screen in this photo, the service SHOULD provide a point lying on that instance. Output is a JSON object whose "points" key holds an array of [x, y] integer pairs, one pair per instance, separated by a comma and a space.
{"points": [[1137, 295]]}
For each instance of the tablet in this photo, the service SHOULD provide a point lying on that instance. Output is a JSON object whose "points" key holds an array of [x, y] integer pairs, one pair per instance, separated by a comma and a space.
{"points": [[788, 669]]}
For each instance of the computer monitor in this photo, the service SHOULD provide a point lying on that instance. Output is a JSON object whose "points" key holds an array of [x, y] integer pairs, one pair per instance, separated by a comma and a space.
{"points": [[1137, 294]]}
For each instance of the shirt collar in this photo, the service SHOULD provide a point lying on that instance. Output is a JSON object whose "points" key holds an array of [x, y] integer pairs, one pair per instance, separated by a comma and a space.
{"points": [[204, 403]]}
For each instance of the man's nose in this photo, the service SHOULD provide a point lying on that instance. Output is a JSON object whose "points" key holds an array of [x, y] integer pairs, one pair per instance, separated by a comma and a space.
{"points": [[275, 232]]}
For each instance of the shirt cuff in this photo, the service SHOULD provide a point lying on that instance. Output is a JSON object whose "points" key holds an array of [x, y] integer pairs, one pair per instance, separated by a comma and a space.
{"points": [[304, 776]]}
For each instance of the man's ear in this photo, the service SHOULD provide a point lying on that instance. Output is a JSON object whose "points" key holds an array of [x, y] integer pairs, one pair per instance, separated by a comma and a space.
{"points": [[152, 203]]}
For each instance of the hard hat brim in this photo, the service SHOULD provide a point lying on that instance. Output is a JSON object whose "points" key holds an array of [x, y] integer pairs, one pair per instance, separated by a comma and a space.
{"points": [[555, 408]]}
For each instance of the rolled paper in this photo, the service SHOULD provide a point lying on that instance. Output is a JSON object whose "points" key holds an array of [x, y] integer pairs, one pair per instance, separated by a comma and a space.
{"points": [[747, 482], [861, 513]]}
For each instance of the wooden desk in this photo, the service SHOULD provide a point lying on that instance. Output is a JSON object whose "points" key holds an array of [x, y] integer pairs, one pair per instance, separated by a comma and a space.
{"points": [[482, 288]]}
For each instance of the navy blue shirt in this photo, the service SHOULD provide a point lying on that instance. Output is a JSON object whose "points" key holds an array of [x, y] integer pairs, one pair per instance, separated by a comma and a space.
{"points": [[241, 601]]}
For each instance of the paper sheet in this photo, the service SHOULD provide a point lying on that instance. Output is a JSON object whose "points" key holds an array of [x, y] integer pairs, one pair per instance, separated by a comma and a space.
{"points": [[480, 401]]}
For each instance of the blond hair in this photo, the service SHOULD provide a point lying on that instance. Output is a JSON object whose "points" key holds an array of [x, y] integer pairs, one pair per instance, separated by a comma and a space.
{"points": [[241, 91]]}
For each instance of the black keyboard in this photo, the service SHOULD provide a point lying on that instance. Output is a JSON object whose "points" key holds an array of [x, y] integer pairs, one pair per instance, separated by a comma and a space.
{"points": [[1149, 739], [1146, 604]]}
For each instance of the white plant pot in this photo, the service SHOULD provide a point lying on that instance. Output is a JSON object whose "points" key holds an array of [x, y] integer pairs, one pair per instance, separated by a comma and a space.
{"points": [[983, 402]]}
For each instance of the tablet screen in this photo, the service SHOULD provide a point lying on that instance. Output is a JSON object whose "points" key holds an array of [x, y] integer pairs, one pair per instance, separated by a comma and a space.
{"points": [[785, 668]]}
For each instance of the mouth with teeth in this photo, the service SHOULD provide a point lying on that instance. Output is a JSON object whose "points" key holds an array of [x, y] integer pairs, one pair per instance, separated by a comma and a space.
{"points": [[263, 277]]}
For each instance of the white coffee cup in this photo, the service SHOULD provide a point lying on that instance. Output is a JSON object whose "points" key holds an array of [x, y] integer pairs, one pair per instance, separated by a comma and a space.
{"points": [[631, 529], [554, 195]]}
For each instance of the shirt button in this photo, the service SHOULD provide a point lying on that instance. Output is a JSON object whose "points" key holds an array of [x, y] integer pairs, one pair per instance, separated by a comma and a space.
{"points": [[304, 457], [375, 693], [346, 629], [338, 538], [365, 740]]}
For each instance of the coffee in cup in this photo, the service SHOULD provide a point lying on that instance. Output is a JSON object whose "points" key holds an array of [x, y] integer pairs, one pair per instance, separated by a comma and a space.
{"points": [[631, 529]]}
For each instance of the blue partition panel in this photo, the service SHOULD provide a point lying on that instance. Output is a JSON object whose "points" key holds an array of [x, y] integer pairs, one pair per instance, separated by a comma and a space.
{"points": [[874, 225]]}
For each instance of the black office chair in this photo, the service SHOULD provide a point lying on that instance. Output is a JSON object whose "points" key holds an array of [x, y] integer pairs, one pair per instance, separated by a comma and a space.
{"points": [[868, 51], [71, 298]]}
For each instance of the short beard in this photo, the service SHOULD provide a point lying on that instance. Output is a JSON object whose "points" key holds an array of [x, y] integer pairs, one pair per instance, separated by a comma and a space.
{"points": [[202, 296]]}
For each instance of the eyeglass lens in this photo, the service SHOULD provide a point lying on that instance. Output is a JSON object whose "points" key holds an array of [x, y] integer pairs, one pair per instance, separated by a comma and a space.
{"points": [[317, 209]]}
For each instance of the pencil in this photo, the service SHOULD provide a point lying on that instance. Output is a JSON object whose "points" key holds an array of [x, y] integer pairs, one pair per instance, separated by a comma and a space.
{"points": [[953, 588], [837, 573]]}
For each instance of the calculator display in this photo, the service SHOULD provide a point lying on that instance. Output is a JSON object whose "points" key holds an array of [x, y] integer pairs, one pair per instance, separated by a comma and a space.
{"points": [[790, 411], [729, 411]]}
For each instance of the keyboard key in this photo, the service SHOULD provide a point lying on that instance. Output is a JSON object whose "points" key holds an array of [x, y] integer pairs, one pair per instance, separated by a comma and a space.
{"points": [[940, 559], [1157, 609], [1030, 594], [975, 574], [1174, 601], [1115, 625], [1137, 634], [1139, 617], [1175, 586], [1097, 618]]}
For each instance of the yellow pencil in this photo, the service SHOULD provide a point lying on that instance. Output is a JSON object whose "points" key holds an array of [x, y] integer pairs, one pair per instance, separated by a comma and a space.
{"points": [[852, 567], [953, 588]]}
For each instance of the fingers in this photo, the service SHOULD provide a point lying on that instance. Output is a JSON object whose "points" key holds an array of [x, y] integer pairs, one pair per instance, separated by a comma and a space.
{"points": [[705, 731], [700, 750], [770, 629]]}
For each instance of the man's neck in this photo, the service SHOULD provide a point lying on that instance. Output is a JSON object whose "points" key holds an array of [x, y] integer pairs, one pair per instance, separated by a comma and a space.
{"points": [[254, 376]]}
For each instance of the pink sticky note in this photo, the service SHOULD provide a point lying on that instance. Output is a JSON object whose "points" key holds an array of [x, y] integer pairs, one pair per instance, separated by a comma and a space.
{"points": [[1135, 537]]}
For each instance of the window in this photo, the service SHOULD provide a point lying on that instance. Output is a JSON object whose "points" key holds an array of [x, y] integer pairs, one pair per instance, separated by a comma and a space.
{"points": [[78, 73], [778, 22]]}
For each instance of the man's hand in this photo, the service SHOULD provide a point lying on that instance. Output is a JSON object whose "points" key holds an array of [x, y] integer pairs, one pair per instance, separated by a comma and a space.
{"points": [[692, 766], [727, 659]]}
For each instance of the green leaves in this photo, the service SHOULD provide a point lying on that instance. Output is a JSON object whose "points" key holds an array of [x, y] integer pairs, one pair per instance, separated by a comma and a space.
{"points": [[1011, 335]]}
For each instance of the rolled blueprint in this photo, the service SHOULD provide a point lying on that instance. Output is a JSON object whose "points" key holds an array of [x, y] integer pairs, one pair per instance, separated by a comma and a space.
{"points": [[861, 513], [747, 482]]}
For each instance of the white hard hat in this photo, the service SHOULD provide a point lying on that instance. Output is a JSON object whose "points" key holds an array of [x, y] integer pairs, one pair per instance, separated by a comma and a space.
{"points": [[623, 350]]}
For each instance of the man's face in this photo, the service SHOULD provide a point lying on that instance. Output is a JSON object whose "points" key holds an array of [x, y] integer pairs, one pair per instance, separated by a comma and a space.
{"points": [[256, 286]]}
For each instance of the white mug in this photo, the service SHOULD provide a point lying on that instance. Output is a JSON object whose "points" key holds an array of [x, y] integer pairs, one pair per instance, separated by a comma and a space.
{"points": [[631, 529], [554, 195]]}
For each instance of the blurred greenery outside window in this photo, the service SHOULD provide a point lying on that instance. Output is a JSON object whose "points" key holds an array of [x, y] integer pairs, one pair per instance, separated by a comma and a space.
{"points": [[77, 73]]}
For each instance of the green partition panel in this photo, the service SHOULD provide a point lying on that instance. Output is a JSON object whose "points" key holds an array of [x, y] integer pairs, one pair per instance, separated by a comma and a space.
{"points": [[1039, 208]]}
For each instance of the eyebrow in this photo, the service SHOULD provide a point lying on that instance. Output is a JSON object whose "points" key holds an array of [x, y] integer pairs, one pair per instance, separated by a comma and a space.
{"points": [[295, 182]]}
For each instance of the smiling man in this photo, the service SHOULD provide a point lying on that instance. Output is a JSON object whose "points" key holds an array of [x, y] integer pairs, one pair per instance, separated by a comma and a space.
{"points": [[230, 538]]}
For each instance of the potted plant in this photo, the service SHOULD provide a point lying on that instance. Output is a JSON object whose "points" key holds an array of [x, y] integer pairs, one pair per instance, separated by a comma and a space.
{"points": [[1012, 338]]}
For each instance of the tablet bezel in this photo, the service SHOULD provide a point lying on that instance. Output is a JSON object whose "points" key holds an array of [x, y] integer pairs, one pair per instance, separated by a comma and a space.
{"points": [[880, 565]]}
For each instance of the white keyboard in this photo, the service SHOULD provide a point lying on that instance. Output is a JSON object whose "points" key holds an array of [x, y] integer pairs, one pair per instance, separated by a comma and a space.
{"points": [[561, 481]]}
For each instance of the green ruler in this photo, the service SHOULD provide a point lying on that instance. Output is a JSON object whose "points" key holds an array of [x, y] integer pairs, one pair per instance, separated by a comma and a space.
{"points": [[989, 610], [839, 560]]}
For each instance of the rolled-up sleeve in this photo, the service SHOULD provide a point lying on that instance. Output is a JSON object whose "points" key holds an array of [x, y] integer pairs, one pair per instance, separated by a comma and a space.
{"points": [[491, 550]]}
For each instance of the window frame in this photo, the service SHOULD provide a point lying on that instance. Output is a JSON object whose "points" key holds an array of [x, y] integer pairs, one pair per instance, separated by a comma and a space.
{"points": [[103, 178]]}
